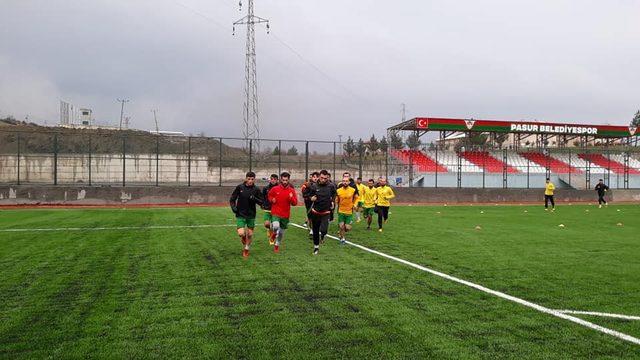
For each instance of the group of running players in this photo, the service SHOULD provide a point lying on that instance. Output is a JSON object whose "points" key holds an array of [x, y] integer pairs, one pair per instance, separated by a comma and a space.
{"points": [[322, 197]]}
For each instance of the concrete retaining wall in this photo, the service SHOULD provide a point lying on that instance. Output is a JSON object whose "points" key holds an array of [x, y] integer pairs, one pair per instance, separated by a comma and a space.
{"points": [[73, 195]]}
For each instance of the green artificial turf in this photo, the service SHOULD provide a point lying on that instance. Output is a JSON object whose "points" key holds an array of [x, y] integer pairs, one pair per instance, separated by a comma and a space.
{"points": [[188, 293]]}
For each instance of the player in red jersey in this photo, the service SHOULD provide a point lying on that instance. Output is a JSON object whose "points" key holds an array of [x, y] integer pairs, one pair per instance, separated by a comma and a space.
{"points": [[282, 198]]}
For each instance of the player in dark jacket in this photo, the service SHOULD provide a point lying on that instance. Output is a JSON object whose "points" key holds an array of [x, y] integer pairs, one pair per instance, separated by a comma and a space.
{"points": [[305, 196], [266, 206], [601, 188], [323, 195], [243, 204]]}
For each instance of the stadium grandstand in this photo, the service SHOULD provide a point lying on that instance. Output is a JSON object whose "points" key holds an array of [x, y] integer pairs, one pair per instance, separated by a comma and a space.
{"points": [[492, 153]]}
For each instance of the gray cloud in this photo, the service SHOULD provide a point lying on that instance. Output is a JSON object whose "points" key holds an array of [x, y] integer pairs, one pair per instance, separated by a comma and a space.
{"points": [[551, 60]]}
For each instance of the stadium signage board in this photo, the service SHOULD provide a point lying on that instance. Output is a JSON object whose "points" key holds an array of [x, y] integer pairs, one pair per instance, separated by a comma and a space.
{"points": [[446, 124], [554, 129]]}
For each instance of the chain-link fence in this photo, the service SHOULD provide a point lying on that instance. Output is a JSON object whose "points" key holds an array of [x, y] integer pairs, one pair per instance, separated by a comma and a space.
{"points": [[145, 159]]}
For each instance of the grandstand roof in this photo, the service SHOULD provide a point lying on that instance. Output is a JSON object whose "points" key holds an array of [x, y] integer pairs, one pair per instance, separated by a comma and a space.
{"points": [[523, 127]]}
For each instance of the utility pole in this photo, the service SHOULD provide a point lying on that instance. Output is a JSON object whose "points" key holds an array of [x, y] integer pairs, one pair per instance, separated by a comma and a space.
{"points": [[123, 101], [155, 118], [251, 116]]}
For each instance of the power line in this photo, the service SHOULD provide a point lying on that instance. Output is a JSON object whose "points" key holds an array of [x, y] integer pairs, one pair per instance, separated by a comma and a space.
{"points": [[291, 49]]}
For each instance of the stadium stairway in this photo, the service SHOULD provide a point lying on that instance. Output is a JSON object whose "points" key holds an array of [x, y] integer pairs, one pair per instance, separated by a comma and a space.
{"points": [[607, 163], [555, 166], [484, 159], [422, 162]]}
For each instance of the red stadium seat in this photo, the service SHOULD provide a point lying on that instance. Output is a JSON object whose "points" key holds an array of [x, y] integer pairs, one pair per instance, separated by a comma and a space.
{"points": [[484, 160], [555, 166], [606, 163], [423, 162]]}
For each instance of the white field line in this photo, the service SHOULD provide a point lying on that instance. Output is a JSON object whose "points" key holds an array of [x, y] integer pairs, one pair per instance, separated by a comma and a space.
{"points": [[499, 294], [153, 227], [594, 313]]}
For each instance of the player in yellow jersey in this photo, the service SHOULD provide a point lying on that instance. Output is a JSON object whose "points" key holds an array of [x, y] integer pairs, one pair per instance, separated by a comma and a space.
{"points": [[548, 195], [384, 194], [359, 199], [369, 195], [345, 199]]}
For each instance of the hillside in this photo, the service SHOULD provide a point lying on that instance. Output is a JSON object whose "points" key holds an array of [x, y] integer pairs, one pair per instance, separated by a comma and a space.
{"points": [[40, 139]]}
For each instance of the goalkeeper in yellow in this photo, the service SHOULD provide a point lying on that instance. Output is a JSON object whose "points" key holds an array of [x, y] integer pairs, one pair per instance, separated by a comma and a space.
{"points": [[359, 199], [384, 193], [369, 195], [345, 199]]}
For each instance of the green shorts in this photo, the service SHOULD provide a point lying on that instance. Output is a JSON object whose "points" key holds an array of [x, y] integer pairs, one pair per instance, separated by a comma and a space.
{"points": [[242, 222], [267, 216], [347, 219], [284, 223], [368, 211]]}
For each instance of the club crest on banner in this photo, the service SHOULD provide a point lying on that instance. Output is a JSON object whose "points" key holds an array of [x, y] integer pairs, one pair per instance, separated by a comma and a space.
{"points": [[469, 123], [632, 130]]}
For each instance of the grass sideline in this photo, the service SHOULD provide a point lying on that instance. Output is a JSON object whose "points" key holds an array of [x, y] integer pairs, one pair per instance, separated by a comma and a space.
{"points": [[186, 292]]}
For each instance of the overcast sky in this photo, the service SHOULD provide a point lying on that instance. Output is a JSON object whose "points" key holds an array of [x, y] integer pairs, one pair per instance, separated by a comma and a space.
{"points": [[328, 67]]}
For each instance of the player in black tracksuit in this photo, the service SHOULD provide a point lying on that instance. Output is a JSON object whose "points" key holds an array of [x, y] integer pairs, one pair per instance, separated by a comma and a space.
{"points": [[601, 188], [323, 195], [305, 196], [243, 203]]}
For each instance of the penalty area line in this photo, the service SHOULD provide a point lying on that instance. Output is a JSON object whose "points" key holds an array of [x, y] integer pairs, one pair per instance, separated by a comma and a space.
{"points": [[116, 228], [496, 293]]}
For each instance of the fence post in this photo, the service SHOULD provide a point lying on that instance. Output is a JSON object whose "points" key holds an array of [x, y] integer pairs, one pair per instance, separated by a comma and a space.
{"points": [[608, 173], [250, 154], [306, 160], [528, 170], [90, 151], [410, 167], [570, 168], [334, 159], [189, 163], [124, 163], [484, 169], [386, 164], [587, 179], [55, 159], [18, 158], [279, 157], [157, 159], [626, 170], [220, 162], [459, 160], [437, 164], [505, 169]]}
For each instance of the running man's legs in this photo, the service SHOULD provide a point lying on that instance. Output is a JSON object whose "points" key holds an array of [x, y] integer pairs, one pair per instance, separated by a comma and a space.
{"points": [[245, 232], [320, 225], [383, 215]]}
